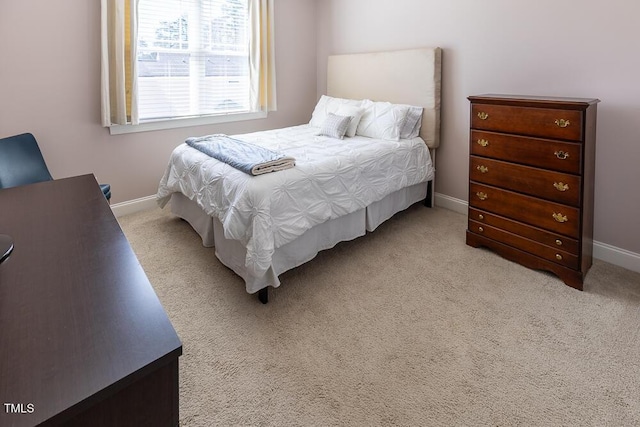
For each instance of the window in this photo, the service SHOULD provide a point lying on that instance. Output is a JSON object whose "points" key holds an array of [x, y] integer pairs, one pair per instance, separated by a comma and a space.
{"points": [[169, 60], [193, 58]]}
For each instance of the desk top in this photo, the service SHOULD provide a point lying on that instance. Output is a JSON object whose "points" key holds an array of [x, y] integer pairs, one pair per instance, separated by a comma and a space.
{"points": [[79, 319]]}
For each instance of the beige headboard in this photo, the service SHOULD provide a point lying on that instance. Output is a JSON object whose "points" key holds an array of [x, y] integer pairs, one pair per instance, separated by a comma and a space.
{"points": [[410, 76]]}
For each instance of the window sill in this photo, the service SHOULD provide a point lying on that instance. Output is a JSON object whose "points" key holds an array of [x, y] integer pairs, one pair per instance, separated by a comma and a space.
{"points": [[185, 122]]}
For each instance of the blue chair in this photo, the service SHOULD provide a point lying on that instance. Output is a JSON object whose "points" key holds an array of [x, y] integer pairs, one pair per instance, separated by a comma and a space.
{"points": [[21, 163]]}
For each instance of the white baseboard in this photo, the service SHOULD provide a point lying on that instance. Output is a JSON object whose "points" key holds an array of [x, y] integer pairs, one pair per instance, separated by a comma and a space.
{"points": [[617, 256], [620, 257], [451, 203], [133, 206]]}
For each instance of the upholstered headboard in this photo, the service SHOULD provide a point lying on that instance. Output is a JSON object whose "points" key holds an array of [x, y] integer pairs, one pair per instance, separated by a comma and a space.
{"points": [[409, 76]]}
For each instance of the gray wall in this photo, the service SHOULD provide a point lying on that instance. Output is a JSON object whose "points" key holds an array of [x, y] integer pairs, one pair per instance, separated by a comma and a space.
{"points": [[50, 82], [579, 48], [50, 86]]}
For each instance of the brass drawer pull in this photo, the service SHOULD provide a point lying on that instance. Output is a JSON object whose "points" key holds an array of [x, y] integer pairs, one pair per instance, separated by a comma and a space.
{"points": [[480, 217], [482, 196], [558, 242], [482, 169], [559, 257], [483, 142], [559, 217], [561, 155], [560, 186], [480, 229], [482, 115], [562, 123]]}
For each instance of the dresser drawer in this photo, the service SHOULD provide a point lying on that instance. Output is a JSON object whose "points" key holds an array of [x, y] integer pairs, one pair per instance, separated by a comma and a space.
{"points": [[522, 243], [546, 122], [548, 238], [556, 186], [530, 210], [544, 153]]}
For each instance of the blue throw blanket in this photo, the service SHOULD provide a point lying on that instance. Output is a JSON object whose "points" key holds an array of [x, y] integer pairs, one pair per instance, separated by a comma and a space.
{"points": [[249, 158]]}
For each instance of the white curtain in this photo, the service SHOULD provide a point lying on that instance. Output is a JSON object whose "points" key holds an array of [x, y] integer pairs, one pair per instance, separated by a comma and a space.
{"points": [[262, 56], [118, 68], [119, 64]]}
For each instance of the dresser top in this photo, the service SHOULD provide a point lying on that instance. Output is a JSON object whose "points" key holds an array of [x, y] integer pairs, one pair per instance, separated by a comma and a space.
{"points": [[534, 101]]}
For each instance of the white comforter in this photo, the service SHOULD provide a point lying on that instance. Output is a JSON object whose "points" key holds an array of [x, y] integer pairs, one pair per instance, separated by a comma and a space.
{"points": [[332, 178]]}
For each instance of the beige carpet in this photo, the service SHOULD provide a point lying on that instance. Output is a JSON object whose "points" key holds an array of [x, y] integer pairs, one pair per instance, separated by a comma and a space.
{"points": [[406, 326]]}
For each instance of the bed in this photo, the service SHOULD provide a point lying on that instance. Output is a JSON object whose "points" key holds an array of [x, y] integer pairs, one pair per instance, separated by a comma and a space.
{"points": [[338, 190]]}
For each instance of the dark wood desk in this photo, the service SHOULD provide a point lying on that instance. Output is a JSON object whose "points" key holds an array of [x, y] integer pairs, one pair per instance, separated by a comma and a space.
{"points": [[84, 339]]}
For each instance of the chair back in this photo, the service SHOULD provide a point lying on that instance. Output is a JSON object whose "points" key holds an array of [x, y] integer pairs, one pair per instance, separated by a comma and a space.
{"points": [[21, 161]]}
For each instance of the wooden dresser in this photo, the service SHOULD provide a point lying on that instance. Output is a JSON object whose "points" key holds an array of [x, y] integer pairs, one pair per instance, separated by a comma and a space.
{"points": [[531, 179]]}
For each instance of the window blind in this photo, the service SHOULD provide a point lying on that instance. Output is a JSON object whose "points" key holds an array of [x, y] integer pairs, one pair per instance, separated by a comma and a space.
{"points": [[192, 58]]}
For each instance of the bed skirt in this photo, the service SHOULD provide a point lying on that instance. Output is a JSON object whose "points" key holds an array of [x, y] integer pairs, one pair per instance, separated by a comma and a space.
{"points": [[323, 236]]}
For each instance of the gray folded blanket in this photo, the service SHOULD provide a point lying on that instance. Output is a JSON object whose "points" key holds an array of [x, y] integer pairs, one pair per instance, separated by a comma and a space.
{"points": [[245, 156]]}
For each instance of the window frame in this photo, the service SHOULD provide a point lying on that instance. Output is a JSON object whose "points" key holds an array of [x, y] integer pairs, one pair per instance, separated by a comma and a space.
{"points": [[182, 122], [262, 89]]}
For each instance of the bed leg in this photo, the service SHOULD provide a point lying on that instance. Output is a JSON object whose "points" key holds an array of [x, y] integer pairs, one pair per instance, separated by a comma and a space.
{"points": [[428, 201], [263, 295]]}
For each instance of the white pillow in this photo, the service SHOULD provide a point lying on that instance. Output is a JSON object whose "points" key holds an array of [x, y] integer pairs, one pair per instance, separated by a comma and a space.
{"points": [[413, 122], [355, 113], [382, 120], [327, 104], [335, 126]]}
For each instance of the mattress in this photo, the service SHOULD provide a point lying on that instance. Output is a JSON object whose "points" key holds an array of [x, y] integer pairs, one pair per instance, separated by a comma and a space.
{"points": [[332, 178]]}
